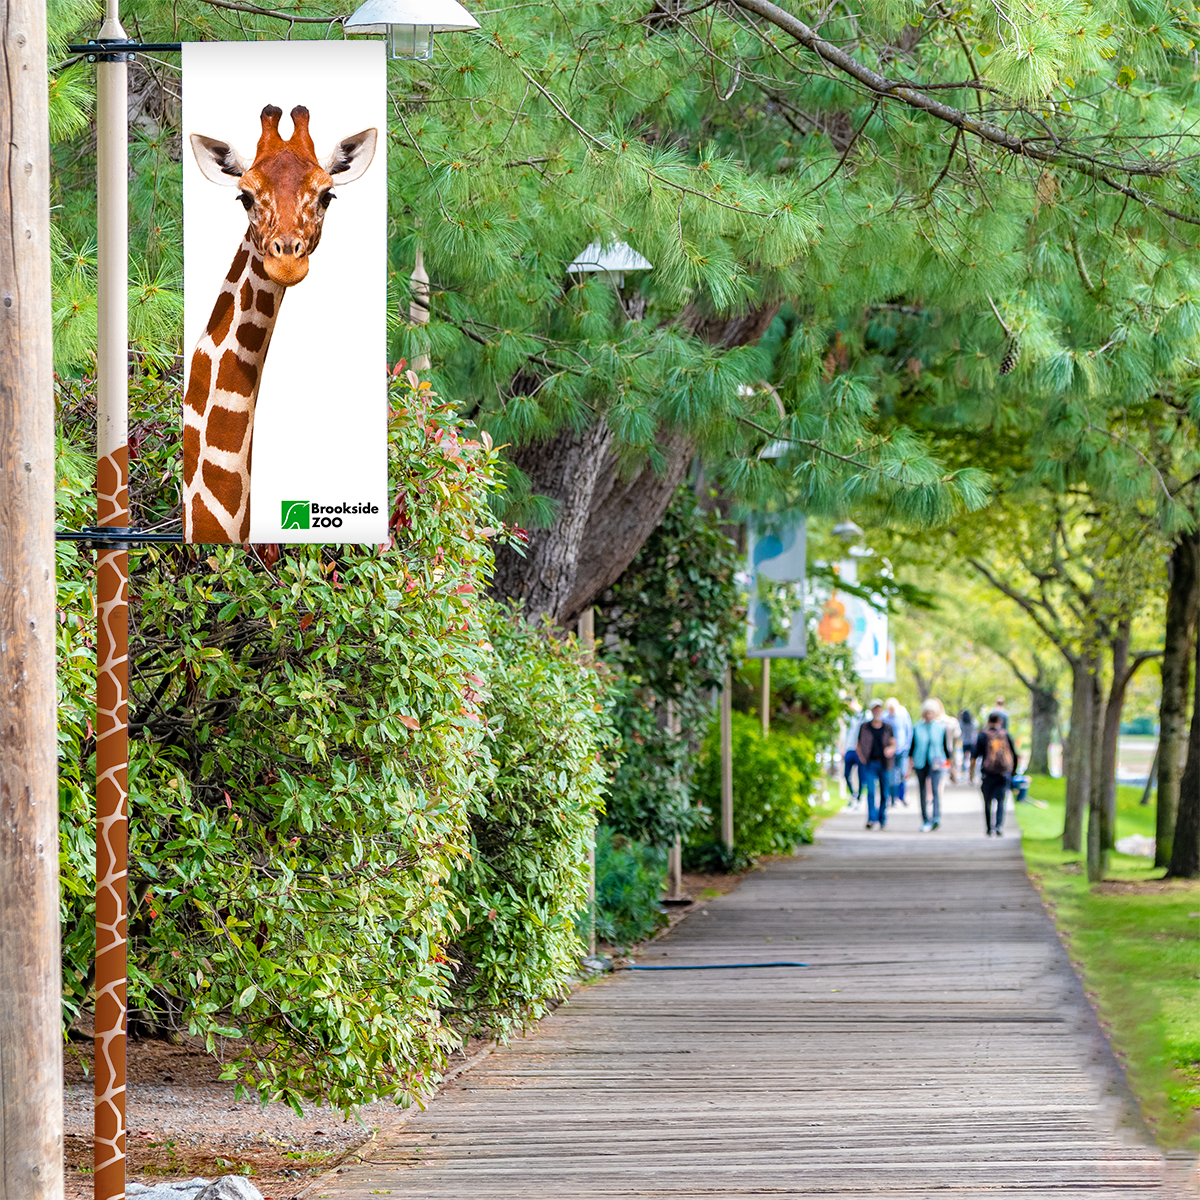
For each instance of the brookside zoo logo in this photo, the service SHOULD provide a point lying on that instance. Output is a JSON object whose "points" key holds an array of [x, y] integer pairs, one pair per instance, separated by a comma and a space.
{"points": [[304, 514]]}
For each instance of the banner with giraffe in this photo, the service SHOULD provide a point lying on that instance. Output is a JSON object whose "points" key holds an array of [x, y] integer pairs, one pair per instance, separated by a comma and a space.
{"points": [[285, 228]]}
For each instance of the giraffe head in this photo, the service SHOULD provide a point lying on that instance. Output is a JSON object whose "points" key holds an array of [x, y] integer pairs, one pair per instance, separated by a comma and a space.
{"points": [[286, 189]]}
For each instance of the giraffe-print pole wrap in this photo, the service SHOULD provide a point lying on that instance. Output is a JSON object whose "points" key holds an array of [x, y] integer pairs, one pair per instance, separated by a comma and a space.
{"points": [[112, 829]]}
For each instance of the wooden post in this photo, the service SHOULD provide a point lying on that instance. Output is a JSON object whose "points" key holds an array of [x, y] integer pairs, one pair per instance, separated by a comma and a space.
{"points": [[418, 306], [727, 759], [766, 697], [31, 1098], [586, 632], [112, 608], [675, 892]]}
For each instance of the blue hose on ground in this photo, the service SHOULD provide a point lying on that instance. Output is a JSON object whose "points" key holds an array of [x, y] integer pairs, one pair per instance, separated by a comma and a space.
{"points": [[714, 966]]}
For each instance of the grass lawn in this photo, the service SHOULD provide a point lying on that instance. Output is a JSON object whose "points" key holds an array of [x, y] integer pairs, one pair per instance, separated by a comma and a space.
{"points": [[1135, 940]]}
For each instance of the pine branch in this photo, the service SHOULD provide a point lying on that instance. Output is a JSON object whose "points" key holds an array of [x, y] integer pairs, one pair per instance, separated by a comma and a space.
{"points": [[915, 97], [255, 11]]}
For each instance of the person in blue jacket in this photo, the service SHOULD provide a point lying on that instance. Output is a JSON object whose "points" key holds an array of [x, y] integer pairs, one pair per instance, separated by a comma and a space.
{"points": [[897, 717], [930, 757]]}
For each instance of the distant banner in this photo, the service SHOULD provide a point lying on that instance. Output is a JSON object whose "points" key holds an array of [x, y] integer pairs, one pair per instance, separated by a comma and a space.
{"points": [[850, 620], [285, 226], [775, 614]]}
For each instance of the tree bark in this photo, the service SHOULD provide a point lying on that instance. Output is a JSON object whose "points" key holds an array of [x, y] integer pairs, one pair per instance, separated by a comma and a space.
{"points": [[1183, 602], [1044, 715], [1185, 851], [623, 514], [565, 468], [31, 1098], [1077, 757]]}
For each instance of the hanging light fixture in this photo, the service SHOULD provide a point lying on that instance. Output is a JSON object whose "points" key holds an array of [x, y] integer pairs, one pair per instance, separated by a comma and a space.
{"points": [[611, 261], [410, 24]]}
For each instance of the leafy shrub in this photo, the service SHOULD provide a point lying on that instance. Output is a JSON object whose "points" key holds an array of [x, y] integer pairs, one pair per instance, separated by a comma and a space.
{"points": [[629, 882], [531, 827], [667, 625], [773, 778], [305, 734]]}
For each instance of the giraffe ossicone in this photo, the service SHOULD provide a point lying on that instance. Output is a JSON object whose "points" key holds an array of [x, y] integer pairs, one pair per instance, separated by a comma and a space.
{"points": [[285, 191]]}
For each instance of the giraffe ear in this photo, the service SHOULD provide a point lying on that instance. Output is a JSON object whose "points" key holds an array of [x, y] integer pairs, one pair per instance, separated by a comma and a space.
{"points": [[219, 161], [351, 157]]}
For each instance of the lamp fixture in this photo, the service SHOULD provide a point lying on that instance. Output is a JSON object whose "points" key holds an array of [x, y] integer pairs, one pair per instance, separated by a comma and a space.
{"points": [[410, 24], [611, 261]]}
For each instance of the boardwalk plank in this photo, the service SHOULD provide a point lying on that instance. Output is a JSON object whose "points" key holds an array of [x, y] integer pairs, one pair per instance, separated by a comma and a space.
{"points": [[939, 1045]]}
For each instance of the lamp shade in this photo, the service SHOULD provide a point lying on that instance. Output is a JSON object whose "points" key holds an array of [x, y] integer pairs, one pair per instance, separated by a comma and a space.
{"points": [[616, 257], [440, 16]]}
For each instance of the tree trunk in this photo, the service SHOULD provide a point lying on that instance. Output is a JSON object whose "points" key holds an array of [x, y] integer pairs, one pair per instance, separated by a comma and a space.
{"points": [[31, 1096], [1104, 786], [1095, 793], [1185, 852], [565, 468], [1043, 697], [602, 522], [1183, 601], [1077, 758], [623, 514]]}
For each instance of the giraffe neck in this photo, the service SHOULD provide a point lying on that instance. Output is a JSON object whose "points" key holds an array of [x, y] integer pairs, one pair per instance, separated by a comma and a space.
{"points": [[218, 408]]}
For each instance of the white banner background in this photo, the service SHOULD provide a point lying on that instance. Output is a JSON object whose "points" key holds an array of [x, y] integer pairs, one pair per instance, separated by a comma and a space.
{"points": [[320, 430]]}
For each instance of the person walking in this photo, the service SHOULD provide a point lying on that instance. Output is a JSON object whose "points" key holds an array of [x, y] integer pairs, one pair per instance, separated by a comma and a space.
{"points": [[966, 721], [997, 758], [851, 766], [876, 751], [901, 723], [998, 707], [930, 756]]}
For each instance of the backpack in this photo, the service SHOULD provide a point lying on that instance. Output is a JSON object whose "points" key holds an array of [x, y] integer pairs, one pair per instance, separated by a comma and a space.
{"points": [[997, 758]]}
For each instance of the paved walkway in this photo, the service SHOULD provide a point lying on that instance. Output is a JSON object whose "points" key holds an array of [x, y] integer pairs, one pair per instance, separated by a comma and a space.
{"points": [[938, 1046]]}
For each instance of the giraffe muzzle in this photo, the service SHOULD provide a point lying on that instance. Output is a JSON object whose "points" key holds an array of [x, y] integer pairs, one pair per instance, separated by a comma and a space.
{"points": [[285, 262]]}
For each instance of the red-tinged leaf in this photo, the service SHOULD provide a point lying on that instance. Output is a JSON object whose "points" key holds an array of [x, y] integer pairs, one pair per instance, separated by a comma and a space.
{"points": [[464, 589], [410, 722], [228, 802], [306, 620]]}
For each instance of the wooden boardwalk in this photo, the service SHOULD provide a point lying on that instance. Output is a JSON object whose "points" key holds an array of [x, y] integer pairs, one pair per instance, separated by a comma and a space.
{"points": [[938, 1046]]}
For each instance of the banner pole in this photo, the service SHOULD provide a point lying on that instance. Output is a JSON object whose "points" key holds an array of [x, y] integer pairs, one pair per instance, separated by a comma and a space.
{"points": [[112, 624], [727, 759]]}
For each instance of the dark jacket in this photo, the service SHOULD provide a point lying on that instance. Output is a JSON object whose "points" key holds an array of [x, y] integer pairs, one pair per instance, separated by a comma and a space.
{"points": [[981, 743], [864, 742]]}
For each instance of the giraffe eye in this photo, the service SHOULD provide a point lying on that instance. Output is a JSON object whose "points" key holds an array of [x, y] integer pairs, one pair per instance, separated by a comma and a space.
{"points": [[247, 200], [326, 197]]}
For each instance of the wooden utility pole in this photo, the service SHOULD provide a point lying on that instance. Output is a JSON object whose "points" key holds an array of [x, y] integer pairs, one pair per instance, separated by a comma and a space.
{"points": [[31, 1113], [766, 696], [586, 632]]}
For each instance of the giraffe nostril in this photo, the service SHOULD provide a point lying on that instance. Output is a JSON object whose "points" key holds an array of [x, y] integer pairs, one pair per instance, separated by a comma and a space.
{"points": [[277, 248]]}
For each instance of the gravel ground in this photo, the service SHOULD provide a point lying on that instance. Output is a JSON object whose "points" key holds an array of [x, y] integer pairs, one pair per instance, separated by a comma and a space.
{"points": [[185, 1122]]}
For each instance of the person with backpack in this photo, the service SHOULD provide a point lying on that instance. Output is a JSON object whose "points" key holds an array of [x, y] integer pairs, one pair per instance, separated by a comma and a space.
{"points": [[997, 758], [876, 752], [930, 756]]}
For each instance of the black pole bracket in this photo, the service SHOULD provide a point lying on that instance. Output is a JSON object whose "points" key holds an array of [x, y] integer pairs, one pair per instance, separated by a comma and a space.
{"points": [[115, 537], [112, 50]]}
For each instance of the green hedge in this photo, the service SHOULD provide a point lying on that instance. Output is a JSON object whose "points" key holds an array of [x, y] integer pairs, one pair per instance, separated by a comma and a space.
{"points": [[313, 786], [773, 778], [531, 827], [629, 885]]}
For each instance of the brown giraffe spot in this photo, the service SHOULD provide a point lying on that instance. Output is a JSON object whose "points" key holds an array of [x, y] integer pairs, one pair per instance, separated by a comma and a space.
{"points": [[257, 267], [235, 376], [239, 265], [247, 296], [226, 429], [252, 336], [191, 453], [225, 485], [205, 527], [222, 317], [198, 383], [265, 303]]}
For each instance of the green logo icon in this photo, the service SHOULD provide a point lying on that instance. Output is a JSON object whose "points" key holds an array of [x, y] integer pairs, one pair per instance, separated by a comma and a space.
{"points": [[296, 514]]}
